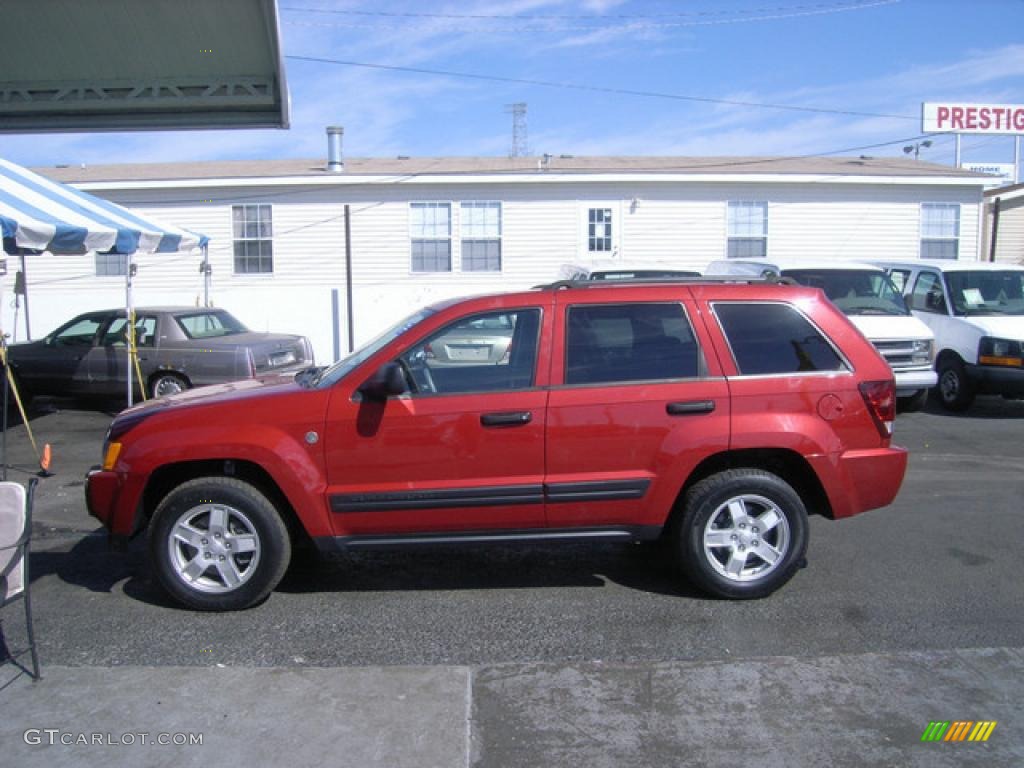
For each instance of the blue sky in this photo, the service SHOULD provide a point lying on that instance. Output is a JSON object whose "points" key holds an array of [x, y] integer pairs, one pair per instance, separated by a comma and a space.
{"points": [[878, 58]]}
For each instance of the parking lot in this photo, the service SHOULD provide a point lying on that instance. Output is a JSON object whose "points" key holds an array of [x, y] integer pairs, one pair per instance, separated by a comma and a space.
{"points": [[930, 583]]}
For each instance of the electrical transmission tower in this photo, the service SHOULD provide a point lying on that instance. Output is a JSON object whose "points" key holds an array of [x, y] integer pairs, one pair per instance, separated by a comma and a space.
{"points": [[520, 145]]}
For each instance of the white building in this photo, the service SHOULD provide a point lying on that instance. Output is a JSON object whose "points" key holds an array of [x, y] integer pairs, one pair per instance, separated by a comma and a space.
{"points": [[1004, 218], [424, 229]]}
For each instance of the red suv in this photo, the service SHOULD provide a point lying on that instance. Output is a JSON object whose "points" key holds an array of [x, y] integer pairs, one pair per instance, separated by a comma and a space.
{"points": [[717, 414]]}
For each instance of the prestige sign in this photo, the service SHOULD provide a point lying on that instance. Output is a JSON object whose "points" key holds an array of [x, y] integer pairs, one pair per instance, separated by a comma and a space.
{"points": [[972, 118]]}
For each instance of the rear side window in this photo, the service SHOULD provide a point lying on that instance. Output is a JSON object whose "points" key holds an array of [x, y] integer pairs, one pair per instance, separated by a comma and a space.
{"points": [[608, 343], [775, 338]]}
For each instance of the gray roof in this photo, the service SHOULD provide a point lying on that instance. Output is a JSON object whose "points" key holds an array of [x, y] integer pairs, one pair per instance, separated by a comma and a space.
{"points": [[463, 166]]}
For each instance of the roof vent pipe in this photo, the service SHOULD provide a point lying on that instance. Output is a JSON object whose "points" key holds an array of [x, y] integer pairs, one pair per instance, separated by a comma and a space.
{"points": [[334, 162]]}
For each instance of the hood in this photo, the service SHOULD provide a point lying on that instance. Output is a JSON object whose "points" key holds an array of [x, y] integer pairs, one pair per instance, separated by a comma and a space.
{"points": [[244, 389], [1000, 326], [885, 327]]}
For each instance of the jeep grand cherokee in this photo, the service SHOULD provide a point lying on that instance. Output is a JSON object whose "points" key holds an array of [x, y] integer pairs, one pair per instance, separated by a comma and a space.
{"points": [[717, 415]]}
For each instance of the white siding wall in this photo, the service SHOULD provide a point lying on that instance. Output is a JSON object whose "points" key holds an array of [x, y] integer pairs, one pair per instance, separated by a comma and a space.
{"points": [[1010, 235], [543, 227]]}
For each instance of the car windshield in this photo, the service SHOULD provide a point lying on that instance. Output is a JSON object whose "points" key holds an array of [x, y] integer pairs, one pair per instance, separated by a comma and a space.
{"points": [[854, 291], [208, 324], [335, 373], [985, 292]]}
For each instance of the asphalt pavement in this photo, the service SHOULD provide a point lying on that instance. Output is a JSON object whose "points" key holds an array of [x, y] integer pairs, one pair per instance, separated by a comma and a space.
{"points": [[588, 656]]}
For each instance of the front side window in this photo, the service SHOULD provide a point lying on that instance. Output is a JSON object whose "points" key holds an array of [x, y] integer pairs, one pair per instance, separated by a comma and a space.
{"points": [[775, 339], [928, 295], [599, 230], [253, 232], [487, 352], [747, 227], [608, 343], [481, 237], [940, 230], [430, 232], [111, 264]]}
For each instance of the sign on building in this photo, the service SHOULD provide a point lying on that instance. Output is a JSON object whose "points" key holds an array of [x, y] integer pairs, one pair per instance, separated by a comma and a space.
{"points": [[1005, 172], [942, 117]]}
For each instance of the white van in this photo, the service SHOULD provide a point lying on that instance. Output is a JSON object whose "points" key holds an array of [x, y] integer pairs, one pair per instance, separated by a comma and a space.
{"points": [[872, 303], [976, 310]]}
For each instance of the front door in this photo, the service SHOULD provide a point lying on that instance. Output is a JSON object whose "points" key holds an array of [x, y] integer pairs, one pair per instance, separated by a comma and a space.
{"points": [[463, 450]]}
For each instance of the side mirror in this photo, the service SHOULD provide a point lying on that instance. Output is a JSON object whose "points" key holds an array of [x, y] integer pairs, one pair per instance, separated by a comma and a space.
{"points": [[387, 381]]}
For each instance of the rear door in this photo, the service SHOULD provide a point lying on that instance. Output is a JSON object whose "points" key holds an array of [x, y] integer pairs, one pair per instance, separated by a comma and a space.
{"points": [[636, 404]]}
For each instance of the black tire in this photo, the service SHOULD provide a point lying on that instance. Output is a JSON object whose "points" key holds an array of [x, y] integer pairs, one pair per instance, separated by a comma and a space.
{"points": [[213, 512], [167, 383], [914, 402], [741, 542], [955, 390]]}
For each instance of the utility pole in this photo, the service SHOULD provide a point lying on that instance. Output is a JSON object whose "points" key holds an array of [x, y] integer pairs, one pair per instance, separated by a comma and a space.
{"points": [[520, 144]]}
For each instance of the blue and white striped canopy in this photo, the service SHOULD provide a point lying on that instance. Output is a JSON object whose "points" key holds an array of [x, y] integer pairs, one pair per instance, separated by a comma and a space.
{"points": [[37, 214]]}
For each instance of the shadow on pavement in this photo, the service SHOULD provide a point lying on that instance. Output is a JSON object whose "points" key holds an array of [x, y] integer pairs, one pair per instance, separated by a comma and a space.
{"points": [[92, 565], [644, 567]]}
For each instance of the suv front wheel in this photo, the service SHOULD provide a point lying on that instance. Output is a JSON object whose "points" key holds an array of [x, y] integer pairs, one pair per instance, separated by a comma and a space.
{"points": [[743, 533], [218, 544]]}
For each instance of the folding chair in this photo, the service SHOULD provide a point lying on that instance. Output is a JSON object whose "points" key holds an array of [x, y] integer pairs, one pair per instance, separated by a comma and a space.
{"points": [[15, 535]]}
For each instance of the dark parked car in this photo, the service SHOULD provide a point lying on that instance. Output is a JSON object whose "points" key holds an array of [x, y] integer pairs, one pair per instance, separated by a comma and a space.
{"points": [[179, 348]]}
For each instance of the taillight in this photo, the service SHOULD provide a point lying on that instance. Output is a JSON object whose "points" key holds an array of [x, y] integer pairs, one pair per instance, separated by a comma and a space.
{"points": [[880, 397]]}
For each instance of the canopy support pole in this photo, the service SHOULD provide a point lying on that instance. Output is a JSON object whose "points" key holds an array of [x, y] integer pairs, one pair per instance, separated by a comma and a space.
{"points": [[207, 271], [130, 323]]}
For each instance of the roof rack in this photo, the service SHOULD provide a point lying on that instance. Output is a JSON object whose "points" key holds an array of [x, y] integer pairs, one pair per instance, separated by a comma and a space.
{"points": [[558, 285]]}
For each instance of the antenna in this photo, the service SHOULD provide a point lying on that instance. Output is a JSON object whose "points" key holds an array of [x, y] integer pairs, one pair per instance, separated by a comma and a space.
{"points": [[520, 145]]}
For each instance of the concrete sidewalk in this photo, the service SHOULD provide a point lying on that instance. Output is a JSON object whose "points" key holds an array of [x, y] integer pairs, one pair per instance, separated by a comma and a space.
{"points": [[865, 710]]}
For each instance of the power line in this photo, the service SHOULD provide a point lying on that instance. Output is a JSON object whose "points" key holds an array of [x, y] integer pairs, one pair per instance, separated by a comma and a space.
{"points": [[795, 10], [598, 89]]}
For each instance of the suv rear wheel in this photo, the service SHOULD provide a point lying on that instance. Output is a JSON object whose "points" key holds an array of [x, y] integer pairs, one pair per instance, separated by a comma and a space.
{"points": [[218, 544], [743, 533]]}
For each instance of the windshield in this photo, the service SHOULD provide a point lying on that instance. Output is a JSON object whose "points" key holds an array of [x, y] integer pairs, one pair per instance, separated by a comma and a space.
{"points": [[987, 292], [343, 367], [854, 291]]}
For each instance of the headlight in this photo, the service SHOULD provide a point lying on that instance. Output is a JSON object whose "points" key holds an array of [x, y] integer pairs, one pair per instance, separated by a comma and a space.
{"points": [[923, 351], [1006, 352]]}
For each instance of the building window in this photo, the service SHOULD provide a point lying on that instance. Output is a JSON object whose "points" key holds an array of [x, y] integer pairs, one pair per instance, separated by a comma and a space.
{"points": [[599, 230], [430, 229], [940, 230], [747, 230], [481, 237], [111, 264], [253, 238]]}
